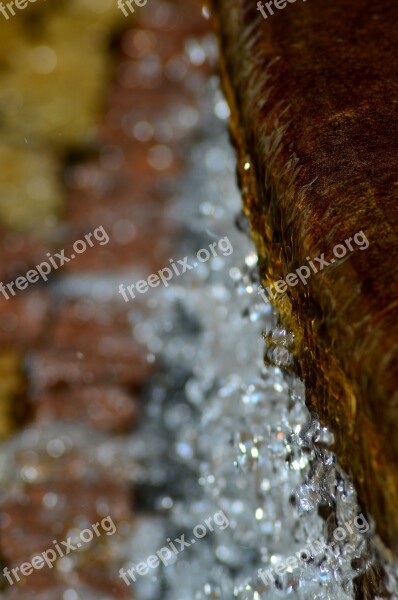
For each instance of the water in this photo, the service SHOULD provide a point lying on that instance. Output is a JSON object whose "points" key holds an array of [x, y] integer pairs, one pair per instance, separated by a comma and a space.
{"points": [[227, 429]]}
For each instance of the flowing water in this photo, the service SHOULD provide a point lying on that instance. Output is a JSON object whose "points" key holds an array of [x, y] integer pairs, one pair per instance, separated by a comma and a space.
{"points": [[226, 427]]}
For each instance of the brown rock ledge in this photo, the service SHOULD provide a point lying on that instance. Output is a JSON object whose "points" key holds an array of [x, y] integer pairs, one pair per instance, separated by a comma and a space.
{"points": [[314, 91]]}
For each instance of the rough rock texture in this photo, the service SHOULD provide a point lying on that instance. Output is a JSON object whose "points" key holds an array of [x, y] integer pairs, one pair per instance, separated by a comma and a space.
{"points": [[314, 90]]}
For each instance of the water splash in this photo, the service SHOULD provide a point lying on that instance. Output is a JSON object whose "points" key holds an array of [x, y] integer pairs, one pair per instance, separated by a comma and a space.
{"points": [[235, 432]]}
